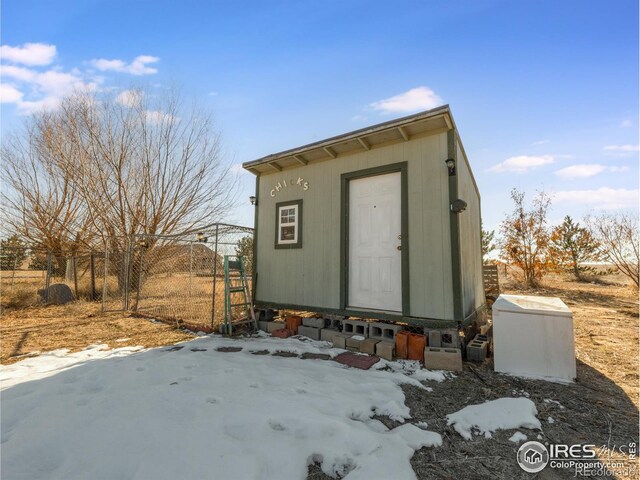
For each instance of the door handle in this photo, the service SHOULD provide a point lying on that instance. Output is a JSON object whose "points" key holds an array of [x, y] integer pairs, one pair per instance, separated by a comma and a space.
{"points": [[399, 247]]}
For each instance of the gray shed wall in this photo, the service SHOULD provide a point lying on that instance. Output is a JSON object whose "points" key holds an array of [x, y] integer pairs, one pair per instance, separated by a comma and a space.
{"points": [[470, 238], [310, 276]]}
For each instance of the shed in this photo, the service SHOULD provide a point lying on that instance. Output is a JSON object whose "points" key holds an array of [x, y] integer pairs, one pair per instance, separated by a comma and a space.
{"points": [[382, 222]]}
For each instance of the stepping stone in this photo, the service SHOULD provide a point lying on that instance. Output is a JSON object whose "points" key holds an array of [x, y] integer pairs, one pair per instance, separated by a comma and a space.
{"points": [[198, 349], [174, 349], [260, 352], [228, 349], [363, 362], [285, 354], [315, 356]]}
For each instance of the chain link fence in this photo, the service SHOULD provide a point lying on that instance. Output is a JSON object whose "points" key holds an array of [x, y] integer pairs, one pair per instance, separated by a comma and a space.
{"points": [[178, 278], [181, 277], [26, 274]]}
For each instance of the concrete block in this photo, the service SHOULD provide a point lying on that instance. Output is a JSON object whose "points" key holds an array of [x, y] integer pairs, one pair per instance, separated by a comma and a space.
{"points": [[355, 327], [435, 338], [339, 340], [384, 331], [368, 345], [385, 349], [312, 333], [333, 323], [314, 322], [273, 326], [437, 358], [262, 325], [326, 334], [353, 343], [477, 350], [449, 338]]}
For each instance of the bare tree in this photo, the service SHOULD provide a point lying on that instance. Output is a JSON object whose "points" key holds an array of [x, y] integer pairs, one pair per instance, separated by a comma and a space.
{"points": [[525, 236], [617, 235], [108, 167], [41, 204]]}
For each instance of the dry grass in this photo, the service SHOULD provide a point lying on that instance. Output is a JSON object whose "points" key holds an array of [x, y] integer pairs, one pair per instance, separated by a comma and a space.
{"points": [[75, 326]]}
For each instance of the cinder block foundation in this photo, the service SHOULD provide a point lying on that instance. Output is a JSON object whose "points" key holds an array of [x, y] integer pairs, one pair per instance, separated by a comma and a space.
{"points": [[384, 331], [273, 326], [477, 349], [312, 333], [353, 343], [435, 338], [326, 334], [355, 327], [385, 349], [315, 322], [262, 325], [436, 358], [449, 338], [368, 345], [339, 340]]}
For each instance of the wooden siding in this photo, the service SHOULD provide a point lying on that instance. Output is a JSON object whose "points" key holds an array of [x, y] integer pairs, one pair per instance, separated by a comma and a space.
{"points": [[311, 275], [470, 238]]}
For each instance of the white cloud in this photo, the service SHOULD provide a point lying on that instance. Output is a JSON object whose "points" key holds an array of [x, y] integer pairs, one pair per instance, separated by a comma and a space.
{"points": [[29, 54], [541, 142], [32, 89], [615, 169], [626, 124], [588, 170], [139, 65], [9, 93], [156, 116], [522, 163], [420, 98], [19, 73], [580, 171], [603, 198], [620, 150], [129, 98]]}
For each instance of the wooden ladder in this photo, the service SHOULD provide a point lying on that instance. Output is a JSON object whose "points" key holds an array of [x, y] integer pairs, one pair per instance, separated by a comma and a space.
{"points": [[236, 285]]}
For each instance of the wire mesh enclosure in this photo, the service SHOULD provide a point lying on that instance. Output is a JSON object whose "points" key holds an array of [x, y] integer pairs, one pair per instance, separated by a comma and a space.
{"points": [[181, 277], [26, 274]]}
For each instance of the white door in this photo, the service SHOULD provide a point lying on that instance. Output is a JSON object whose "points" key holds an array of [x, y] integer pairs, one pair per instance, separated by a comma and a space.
{"points": [[375, 266]]}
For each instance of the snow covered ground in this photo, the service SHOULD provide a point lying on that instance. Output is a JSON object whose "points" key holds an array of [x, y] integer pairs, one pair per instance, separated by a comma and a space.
{"points": [[201, 413], [192, 411]]}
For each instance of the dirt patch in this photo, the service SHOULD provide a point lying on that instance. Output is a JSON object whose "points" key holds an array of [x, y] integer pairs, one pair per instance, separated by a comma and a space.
{"points": [[601, 408], [76, 326]]}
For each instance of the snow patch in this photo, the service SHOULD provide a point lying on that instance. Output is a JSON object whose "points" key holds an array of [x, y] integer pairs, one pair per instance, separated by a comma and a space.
{"points": [[500, 414], [171, 413], [517, 437]]}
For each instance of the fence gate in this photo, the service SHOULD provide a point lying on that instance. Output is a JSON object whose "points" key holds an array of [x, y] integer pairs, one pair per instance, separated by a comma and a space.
{"points": [[181, 277]]}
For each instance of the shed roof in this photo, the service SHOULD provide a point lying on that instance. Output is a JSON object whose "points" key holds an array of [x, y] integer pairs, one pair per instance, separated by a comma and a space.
{"points": [[394, 131]]}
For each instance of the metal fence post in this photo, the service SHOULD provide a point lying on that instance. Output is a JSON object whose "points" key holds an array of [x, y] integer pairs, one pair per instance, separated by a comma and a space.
{"points": [[140, 270], [92, 266], [190, 267], [74, 262], [48, 279], [106, 273], [215, 273]]}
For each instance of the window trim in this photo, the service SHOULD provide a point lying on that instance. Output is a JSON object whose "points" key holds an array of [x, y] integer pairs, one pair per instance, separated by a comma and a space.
{"points": [[297, 242]]}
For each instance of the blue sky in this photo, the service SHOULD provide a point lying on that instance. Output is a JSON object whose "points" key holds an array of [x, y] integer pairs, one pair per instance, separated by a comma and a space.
{"points": [[545, 93]]}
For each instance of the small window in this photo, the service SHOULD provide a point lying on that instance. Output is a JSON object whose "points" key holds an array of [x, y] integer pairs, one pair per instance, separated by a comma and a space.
{"points": [[289, 224]]}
